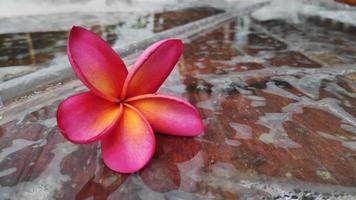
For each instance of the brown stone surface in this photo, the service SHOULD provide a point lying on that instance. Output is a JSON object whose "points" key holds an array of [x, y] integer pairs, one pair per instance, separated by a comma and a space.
{"points": [[277, 125], [293, 59], [170, 19]]}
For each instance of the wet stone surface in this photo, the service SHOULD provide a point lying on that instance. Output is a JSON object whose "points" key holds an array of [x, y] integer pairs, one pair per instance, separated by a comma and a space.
{"points": [[22, 53], [171, 19], [293, 59], [279, 124], [319, 38]]}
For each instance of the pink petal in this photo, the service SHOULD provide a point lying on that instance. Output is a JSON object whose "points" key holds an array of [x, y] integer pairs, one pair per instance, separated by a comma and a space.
{"points": [[152, 67], [168, 114], [85, 117], [96, 64], [131, 145]]}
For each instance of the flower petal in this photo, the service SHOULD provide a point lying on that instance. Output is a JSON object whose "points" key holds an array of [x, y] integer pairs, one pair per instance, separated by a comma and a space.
{"points": [[85, 117], [152, 67], [131, 145], [96, 64], [168, 114]]}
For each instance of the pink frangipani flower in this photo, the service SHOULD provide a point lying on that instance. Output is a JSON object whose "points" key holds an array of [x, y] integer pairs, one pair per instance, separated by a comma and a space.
{"points": [[121, 109]]}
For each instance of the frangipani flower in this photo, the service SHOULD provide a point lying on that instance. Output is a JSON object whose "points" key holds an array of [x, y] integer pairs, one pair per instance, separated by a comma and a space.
{"points": [[121, 109]]}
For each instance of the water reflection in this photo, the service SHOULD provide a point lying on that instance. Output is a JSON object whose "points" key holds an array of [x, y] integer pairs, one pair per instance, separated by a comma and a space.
{"points": [[268, 101], [271, 131], [30, 48], [33, 50]]}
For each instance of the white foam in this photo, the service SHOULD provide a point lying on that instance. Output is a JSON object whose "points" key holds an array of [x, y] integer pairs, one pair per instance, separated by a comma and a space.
{"points": [[277, 135], [226, 177], [242, 131]]}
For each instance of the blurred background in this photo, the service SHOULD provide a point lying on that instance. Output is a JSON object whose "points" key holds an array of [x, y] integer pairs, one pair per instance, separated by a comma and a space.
{"points": [[33, 32]]}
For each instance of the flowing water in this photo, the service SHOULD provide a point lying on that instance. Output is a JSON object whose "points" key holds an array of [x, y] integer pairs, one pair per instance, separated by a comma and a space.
{"points": [[25, 52], [277, 98]]}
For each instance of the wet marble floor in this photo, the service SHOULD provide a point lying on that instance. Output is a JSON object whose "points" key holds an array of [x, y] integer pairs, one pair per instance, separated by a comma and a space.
{"points": [[278, 102]]}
